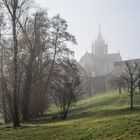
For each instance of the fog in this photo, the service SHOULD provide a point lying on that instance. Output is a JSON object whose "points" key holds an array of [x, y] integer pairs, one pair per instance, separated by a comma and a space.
{"points": [[42, 84], [120, 23]]}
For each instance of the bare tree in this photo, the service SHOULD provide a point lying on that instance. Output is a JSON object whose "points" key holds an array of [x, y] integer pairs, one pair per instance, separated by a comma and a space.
{"points": [[65, 87], [59, 37], [35, 41], [34, 46], [2, 93], [130, 79], [117, 83], [15, 9], [6, 81], [38, 60]]}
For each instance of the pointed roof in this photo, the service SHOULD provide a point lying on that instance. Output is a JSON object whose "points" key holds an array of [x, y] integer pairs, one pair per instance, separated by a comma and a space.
{"points": [[99, 36]]}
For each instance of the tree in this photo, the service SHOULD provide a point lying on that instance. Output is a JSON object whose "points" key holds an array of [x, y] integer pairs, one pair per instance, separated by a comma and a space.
{"points": [[35, 40], [65, 87], [3, 85], [41, 64], [117, 82], [34, 45], [15, 9], [59, 37], [130, 79]]}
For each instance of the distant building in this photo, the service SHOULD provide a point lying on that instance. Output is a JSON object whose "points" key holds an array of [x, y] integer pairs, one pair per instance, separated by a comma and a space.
{"points": [[120, 67], [99, 62]]}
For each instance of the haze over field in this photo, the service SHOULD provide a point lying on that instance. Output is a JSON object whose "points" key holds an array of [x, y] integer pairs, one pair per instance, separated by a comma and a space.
{"points": [[45, 93], [119, 19]]}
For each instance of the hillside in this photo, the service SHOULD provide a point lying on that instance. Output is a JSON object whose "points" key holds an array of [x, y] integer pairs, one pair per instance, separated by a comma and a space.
{"points": [[105, 116]]}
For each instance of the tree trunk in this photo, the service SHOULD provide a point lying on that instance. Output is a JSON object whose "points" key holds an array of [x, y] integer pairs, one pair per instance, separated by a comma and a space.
{"points": [[65, 115], [15, 97], [120, 90], [131, 102]]}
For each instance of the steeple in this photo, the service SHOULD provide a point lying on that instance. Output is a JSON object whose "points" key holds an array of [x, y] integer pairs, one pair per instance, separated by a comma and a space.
{"points": [[100, 46], [99, 36]]}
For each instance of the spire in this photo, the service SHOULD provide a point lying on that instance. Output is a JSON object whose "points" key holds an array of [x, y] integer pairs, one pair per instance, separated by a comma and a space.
{"points": [[99, 37]]}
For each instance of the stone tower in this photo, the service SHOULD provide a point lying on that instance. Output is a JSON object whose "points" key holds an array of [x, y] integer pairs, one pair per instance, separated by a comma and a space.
{"points": [[99, 48]]}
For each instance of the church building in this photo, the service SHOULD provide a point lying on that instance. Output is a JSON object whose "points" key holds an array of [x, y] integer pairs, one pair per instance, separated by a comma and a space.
{"points": [[99, 62]]}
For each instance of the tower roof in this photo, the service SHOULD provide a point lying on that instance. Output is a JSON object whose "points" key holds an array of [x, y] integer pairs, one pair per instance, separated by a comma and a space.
{"points": [[99, 36]]}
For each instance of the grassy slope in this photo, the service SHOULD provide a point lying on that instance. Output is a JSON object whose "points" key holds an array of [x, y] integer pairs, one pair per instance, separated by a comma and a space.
{"points": [[102, 117]]}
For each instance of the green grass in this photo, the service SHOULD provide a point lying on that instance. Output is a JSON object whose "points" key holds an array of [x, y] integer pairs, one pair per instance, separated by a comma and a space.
{"points": [[106, 116]]}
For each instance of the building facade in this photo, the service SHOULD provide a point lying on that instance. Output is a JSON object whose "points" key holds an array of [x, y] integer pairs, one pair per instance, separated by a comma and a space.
{"points": [[99, 62]]}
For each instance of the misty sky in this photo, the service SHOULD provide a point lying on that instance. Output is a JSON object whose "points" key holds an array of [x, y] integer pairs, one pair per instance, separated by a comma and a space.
{"points": [[119, 19]]}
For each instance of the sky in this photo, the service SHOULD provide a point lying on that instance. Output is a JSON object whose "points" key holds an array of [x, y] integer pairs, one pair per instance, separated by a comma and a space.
{"points": [[119, 20]]}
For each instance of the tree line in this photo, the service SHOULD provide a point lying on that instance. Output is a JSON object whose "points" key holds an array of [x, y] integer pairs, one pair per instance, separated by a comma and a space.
{"points": [[36, 66]]}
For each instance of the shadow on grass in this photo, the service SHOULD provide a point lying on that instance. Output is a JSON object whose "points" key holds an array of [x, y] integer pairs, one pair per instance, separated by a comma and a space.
{"points": [[30, 126], [78, 112], [107, 113], [83, 115], [94, 115], [84, 111]]}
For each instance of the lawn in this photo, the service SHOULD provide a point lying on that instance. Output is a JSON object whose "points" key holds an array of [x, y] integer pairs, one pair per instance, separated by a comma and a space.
{"points": [[106, 116]]}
